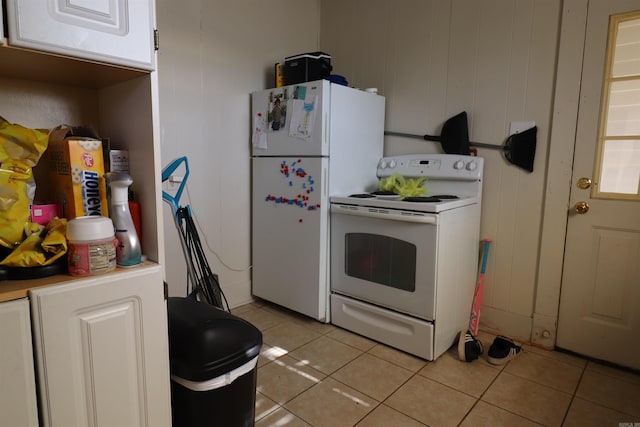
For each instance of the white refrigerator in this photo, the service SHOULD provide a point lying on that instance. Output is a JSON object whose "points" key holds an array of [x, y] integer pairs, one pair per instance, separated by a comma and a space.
{"points": [[309, 141]]}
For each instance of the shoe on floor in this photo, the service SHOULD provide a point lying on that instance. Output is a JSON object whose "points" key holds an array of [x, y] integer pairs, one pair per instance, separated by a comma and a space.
{"points": [[469, 347], [502, 350]]}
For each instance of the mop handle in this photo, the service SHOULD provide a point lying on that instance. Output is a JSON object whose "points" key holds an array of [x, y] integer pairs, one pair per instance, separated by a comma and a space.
{"points": [[410, 135], [437, 138], [167, 172]]}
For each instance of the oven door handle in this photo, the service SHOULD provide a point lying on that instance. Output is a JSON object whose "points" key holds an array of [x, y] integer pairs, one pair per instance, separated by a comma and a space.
{"points": [[388, 214]]}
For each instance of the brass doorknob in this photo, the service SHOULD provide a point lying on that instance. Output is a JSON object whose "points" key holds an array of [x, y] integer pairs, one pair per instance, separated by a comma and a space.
{"points": [[584, 183], [581, 208]]}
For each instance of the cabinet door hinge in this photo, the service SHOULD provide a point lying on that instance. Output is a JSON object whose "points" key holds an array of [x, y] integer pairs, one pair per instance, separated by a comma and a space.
{"points": [[156, 39]]}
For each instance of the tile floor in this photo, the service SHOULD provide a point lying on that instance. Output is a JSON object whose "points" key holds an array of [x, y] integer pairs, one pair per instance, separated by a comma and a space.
{"points": [[314, 374]]}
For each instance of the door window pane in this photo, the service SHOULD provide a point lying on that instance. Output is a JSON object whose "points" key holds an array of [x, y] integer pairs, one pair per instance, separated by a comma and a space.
{"points": [[621, 167], [618, 166], [623, 118], [381, 259], [625, 59]]}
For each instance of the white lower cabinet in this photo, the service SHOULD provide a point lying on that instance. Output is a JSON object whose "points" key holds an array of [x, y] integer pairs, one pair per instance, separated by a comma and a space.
{"points": [[102, 351], [17, 391]]}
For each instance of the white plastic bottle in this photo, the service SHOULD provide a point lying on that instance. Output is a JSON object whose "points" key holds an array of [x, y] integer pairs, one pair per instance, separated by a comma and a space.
{"points": [[128, 252]]}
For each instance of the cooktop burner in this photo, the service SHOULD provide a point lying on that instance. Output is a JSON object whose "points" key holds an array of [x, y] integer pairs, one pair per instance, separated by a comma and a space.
{"points": [[422, 199], [414, 199], [429, 199], [437, 203], [446, 197], [363, 196]]}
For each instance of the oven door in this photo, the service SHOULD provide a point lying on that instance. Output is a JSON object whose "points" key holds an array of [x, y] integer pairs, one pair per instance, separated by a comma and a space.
{"points": [[385, 257]]}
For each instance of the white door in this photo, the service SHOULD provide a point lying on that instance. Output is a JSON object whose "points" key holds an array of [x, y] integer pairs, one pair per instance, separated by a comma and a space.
{"points": [[116, 32], [600, 299], [102, 351]]}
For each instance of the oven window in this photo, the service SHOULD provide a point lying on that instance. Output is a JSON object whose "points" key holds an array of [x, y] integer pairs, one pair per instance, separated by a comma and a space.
{"points": [[381, 259]]}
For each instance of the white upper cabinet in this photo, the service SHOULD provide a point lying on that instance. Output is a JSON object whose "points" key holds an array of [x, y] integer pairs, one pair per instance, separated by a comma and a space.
{"points": [[113, 31]]}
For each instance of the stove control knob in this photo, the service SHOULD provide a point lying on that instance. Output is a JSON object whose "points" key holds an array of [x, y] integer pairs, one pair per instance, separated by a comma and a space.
{"points": [[392, 164], [471, 166], [458, 165]]}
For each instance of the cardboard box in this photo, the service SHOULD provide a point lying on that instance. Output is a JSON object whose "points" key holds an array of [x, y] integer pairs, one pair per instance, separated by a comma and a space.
{"points": [[76, 170]]}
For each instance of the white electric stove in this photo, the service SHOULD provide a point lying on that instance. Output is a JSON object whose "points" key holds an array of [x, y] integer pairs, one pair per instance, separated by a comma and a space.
{"points": [[403, 269]]}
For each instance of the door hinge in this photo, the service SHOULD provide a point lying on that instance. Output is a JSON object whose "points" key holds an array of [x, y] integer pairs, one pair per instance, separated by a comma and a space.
{"points": [[156, 39]]}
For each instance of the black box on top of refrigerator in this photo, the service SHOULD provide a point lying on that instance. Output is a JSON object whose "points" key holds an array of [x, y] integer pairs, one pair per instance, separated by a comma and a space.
{"points": [[306, 67]]}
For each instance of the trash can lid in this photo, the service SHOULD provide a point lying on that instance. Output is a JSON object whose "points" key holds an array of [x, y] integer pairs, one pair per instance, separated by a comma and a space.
{"points": [[205, 341]]}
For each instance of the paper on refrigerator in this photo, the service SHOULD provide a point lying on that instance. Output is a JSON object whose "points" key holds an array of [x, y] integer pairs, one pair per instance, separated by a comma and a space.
{"points": [[259, 138], [303, 117]]}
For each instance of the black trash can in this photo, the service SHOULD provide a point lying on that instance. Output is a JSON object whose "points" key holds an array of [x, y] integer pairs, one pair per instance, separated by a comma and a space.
{"points": [[214, 357]]}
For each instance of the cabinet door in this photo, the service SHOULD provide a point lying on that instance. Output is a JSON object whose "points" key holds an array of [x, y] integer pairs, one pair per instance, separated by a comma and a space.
{"points": [[102, 351], [116, 31], [18, 392]]}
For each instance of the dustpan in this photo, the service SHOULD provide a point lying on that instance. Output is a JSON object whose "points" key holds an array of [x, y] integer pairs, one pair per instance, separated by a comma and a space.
{"points": [[519, 149], [454, 137]]}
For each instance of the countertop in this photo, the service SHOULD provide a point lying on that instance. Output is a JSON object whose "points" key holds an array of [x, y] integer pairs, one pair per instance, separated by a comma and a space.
{"points": [[16, 289]]}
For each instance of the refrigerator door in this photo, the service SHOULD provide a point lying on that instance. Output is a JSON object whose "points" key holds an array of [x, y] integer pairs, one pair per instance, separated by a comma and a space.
{"points": [[291, 120], [290, 233]]}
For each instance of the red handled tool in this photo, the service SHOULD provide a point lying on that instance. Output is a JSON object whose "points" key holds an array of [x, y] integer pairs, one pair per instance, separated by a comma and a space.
{"points": [[474, 319]]}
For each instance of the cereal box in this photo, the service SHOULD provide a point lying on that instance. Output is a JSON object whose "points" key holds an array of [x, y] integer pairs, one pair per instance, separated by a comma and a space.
{"points": [[76, 170]]}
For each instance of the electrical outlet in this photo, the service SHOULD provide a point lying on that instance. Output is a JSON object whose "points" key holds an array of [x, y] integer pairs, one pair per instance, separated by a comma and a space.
{"points": [[517, 127]]}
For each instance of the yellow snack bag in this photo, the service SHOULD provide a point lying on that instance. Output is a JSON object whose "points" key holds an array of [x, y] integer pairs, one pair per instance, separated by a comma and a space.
{"points": [[21, 147], [27, 254], [20, 150], [54, 243], [43, 245]]}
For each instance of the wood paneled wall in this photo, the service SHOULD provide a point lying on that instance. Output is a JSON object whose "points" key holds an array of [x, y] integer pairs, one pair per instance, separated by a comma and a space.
{"points": [[495, 59], [213, 54]]}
